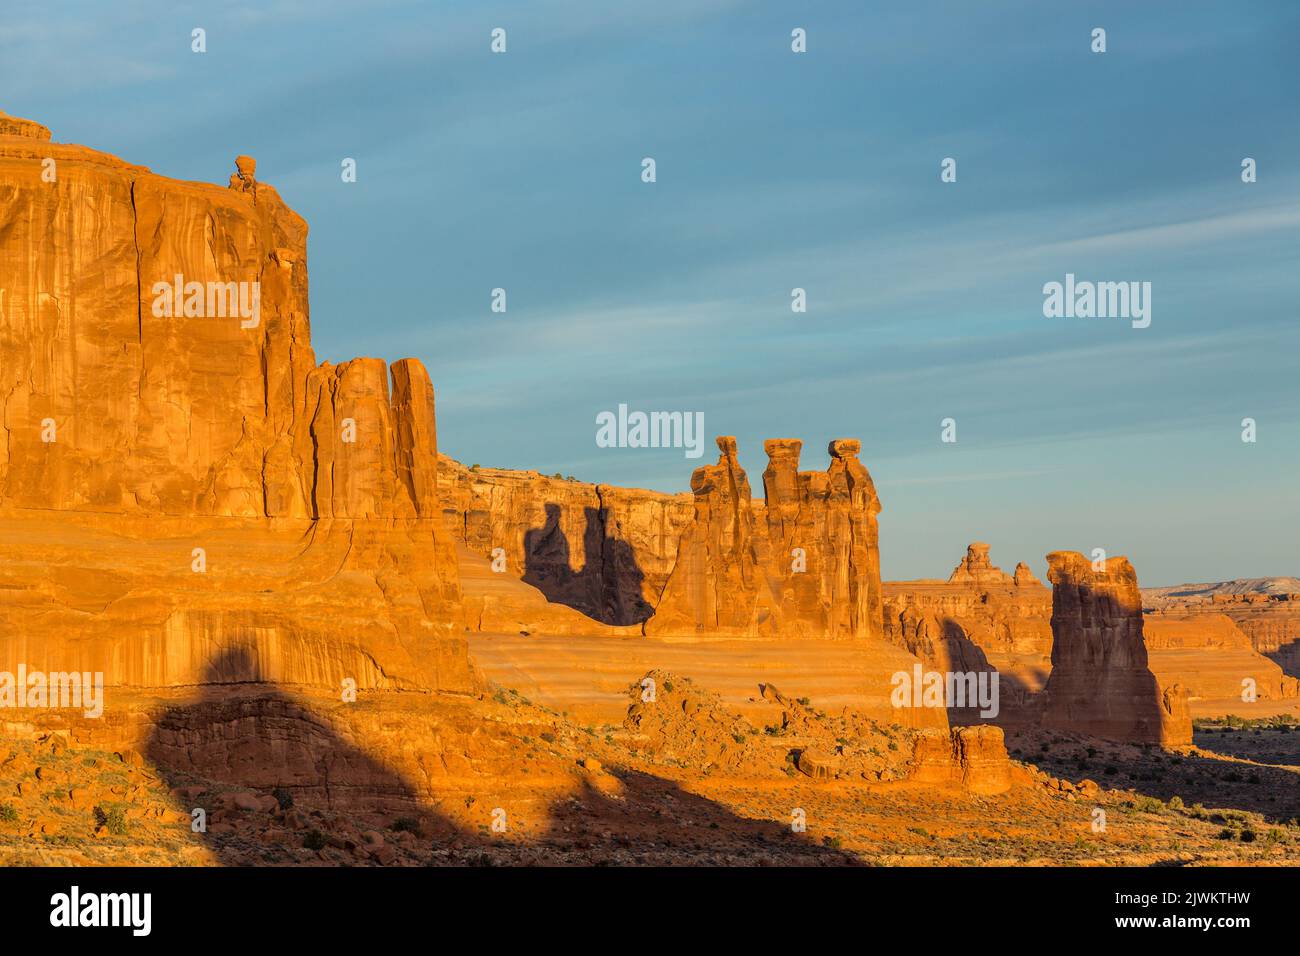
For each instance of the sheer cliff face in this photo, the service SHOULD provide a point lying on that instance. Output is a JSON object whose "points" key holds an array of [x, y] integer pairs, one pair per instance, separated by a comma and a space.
{"points": [[601, 550], [178, 414], [156, 367], [1100, 682], [808, 565]]}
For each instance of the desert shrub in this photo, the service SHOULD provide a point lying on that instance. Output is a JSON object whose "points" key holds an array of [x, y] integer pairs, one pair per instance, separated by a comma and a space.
{"points": [[405, 825], [314, 840], [8, 814], [283, 797], [113, 820]]}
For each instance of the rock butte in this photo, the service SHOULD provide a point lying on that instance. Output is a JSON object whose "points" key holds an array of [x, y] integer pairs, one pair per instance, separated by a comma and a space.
{"points": [[1100, 682], [230, 532]]}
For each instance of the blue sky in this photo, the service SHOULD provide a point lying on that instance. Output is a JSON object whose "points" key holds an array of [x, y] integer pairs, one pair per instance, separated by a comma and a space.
{"points": [[778, 170]]}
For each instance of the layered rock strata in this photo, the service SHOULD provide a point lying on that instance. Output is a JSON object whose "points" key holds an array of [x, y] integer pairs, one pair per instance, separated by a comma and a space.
{"points": [[602, 550], [178, 477]]}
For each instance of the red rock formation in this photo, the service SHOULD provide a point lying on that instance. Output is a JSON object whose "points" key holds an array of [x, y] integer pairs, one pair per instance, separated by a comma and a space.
{"points": [[722, 579], [980, 619], [151, 415], [823, 534], [1024, 578], [1209, 655], [811, 568], [1269, 618], [976, 568], [974, 758], [602, 550], [1101, 683]]}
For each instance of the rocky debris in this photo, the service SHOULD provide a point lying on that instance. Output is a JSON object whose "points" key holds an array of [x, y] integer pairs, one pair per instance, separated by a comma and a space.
{"points": [[689, 726], [818, 764], [1100, 683]]}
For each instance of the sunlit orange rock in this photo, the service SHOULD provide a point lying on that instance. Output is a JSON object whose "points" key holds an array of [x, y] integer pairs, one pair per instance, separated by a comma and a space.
{"points": [[601, 550], [1101, 683], [809, 567], [978, 620], [162, 396]]}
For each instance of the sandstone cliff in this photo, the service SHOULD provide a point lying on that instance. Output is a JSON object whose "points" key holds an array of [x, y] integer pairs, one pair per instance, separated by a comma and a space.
{"points": [[213, 487], [602, 550], [1209, 655], [1101, 684], [979, 620], [1003, 615], [1267, 613]]}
